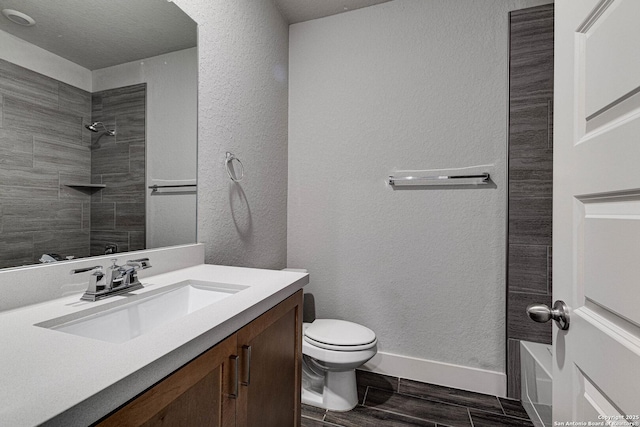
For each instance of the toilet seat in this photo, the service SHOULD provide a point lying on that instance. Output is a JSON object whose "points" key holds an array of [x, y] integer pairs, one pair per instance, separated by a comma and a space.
{"points": [[340, 347], [339, 335]]}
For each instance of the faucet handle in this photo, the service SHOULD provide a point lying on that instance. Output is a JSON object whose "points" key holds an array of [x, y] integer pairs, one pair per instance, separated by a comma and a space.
{"points": [[141, 263], [94, 281], [131, 273], [98, 269]]}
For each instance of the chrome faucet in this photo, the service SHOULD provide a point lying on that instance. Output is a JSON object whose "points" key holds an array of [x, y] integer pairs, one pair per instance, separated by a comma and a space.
{"points": [[113, 278], [118, 279], [96, 281]]}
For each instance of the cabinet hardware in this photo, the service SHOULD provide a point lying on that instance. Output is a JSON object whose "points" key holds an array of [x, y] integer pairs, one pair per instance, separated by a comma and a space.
{"points": [[235, 358], [247, 349]]}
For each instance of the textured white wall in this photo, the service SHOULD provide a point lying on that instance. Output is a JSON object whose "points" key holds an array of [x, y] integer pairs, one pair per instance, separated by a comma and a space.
{"points": [[243, 62], [405, 85], [172, 122]]}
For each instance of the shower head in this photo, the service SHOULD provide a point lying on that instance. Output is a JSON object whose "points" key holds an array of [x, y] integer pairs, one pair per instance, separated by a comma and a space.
{"points": [[93, 127]]}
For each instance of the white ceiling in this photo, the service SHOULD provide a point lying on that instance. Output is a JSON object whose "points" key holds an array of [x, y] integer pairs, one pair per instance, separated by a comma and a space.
{"points": [[305, 10], [97, 34]]}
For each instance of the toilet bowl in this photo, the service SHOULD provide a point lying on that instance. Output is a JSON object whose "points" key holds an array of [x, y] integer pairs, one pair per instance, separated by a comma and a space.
{"points": [[332, 350]]}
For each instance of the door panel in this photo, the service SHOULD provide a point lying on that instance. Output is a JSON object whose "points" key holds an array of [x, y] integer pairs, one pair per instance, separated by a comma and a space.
{"points": [[603, 160], [594, 404], [597, 210], [189, 405], [611, 247], [612, 69], [606, 353], [270, 374], [198, 394], [272, 378]]}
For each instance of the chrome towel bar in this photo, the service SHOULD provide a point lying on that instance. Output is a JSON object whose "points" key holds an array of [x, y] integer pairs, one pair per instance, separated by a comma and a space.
{"points": [[478, 179], [155, 188]]}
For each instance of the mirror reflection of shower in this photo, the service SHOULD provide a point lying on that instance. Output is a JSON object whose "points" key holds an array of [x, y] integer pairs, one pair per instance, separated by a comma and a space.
{"points": [[93, 127], [111, 89]]}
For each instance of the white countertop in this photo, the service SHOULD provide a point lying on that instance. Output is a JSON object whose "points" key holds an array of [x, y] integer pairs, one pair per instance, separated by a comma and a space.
{"points": [[56, 378]]}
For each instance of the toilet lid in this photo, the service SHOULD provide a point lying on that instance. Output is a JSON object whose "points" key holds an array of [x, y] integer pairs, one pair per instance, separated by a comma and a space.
{"points": [[335, 334]]}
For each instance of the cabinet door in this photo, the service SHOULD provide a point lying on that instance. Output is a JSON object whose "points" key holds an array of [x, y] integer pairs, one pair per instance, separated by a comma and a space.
{"points": [[198, 394], [270, 351]]}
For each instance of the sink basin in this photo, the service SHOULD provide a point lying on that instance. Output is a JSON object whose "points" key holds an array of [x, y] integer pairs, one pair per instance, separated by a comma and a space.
{"points": [[124, 320]]}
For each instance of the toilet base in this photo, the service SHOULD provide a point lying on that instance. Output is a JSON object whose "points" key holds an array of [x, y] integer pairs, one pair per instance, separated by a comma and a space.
{"points": [[339, 392]]}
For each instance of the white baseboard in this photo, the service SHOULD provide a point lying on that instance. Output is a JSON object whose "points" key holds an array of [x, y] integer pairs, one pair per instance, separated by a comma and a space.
{"points": [[445, 374]]}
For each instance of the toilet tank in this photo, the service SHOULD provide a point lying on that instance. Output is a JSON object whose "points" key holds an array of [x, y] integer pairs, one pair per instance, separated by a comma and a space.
{"points": [[309, 305]]}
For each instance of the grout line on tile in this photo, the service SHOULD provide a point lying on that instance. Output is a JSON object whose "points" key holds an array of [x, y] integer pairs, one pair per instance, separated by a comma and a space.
{"points": [[501, 407], [328, 423], [489, 412], [499, 404], [548, 271], [436, 400], [448, 387], [470, 419], [512, 417], [364, 398], [494, 411], [515, 417], [400, 414], [527, 418]]}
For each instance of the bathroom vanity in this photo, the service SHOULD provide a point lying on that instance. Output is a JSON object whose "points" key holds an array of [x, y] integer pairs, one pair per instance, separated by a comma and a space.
{"points": [[251, 378], [222, 364]]}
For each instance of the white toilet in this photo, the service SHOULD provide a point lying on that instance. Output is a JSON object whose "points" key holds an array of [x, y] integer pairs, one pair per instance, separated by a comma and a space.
{"points": [[331, 352]]}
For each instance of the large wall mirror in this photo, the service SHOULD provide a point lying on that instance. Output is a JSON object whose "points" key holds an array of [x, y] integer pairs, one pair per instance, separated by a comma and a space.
{"points": [[98, 128]]}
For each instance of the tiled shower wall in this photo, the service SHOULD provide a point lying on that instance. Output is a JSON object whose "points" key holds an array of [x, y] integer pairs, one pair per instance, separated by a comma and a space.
{"points": [[118, 211], [530, 180], [43, 145]]}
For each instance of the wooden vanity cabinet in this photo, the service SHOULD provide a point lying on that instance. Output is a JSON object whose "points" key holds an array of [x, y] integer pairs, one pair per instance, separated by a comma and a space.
{"points": [[251, 379], [270, 373], [198, 394]]}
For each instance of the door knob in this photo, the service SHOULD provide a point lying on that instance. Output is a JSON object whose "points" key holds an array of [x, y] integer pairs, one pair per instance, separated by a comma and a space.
{"points": [[541, 313]]}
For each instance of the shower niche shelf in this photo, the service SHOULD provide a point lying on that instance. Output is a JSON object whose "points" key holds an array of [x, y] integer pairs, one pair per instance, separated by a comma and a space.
{"points": [[86, 187]]}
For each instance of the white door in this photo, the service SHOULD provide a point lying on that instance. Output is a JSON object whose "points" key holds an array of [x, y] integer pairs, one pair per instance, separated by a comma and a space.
{"points": [[596, 210]]}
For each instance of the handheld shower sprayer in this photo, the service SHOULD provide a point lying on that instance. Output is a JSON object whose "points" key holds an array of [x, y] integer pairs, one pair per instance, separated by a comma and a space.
{"points": [[93, 127]]}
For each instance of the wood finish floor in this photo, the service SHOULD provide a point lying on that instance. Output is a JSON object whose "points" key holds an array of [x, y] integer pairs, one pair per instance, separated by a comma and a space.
{"points": [[394, 402]]}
